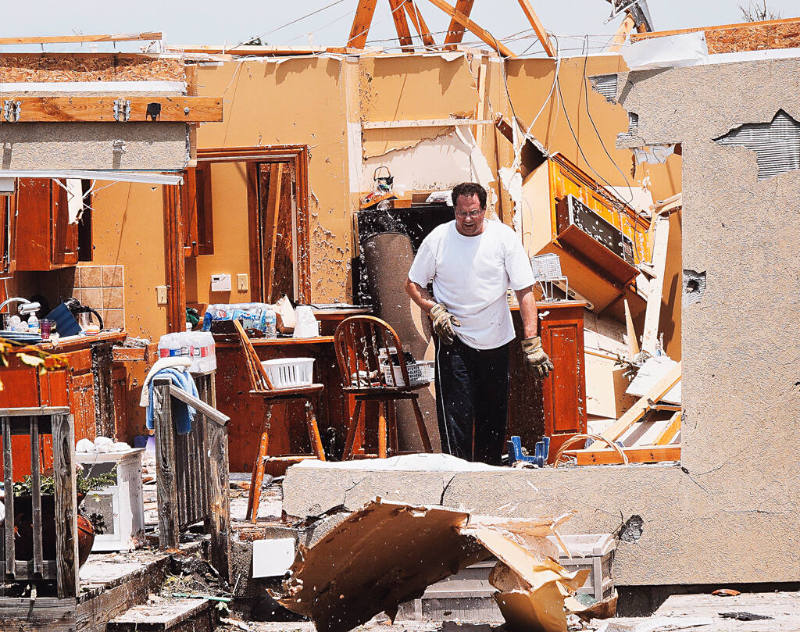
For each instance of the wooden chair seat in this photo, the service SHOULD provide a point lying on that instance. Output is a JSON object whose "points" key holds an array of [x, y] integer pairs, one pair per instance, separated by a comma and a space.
{"points": [[261, 386], [358, 342]]}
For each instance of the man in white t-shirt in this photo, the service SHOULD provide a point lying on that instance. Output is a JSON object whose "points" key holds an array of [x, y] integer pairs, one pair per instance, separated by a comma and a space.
{"points": [[472, 262]]}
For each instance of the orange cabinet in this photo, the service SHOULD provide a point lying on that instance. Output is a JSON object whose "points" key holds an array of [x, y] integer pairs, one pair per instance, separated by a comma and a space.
{"points": [[44, 238], [556, 406], [564, 393]]}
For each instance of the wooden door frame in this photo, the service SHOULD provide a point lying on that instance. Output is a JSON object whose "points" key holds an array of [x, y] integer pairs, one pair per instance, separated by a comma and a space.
{"points": [[252, 156]]}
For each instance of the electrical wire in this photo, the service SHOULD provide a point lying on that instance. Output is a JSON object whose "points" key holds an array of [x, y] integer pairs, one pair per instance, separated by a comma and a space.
{"points": [[295, 21]]}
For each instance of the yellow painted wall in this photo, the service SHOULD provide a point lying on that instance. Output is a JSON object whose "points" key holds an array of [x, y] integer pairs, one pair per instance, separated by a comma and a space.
{"points": [[296, 101], [128, 227], [309, 101]]}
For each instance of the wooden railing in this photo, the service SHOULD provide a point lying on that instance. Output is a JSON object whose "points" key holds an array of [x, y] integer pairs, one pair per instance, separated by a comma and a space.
{"points": [[192, 469], [35, 422]]}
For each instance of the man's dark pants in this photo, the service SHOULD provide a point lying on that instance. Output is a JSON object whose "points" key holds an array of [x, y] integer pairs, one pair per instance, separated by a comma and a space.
{"points": [[472, 391]]}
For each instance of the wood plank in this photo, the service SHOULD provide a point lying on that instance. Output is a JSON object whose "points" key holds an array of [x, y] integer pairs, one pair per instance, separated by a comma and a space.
{"points": [[36, 495], [622, 33], [642, 405], [167, 490], [538, 27], [443, 122], [455, 32], [480, 32], [419, 23], [633, 344], [66, 504], [101, 109], [361, 23], [212, 413], [653, 311], [668, 434], [8, 484], [217, 486], [34, 410], [642, 454], [175, 262], [270, 237], [401, 25], [24, 570], [635, 37], [66, 39]]}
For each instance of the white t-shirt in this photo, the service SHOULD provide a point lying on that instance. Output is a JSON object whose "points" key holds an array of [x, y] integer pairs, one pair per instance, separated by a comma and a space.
{"points": [[471, 276]]}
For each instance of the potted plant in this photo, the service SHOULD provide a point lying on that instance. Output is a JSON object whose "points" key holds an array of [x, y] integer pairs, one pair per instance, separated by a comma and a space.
{"points": [[23, 515]]}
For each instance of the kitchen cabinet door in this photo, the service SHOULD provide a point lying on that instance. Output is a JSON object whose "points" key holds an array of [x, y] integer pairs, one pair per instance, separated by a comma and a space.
{"points": [[82, 406], [44, 238]]}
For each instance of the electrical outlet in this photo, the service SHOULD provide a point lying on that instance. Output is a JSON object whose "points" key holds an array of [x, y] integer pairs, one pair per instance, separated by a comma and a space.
{"points": [[161, 294], [241, 282]]}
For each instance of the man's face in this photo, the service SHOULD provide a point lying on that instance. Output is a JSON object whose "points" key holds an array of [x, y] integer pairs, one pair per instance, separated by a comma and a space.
{"points": [[469, 215]]}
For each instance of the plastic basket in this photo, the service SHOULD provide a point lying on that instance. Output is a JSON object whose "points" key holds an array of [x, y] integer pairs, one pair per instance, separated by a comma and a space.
{"points": [[426, 370], [546, 267], [289, 372], [414, 374]]}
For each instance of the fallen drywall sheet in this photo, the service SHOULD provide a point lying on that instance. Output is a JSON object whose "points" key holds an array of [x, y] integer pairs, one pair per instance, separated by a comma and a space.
{"points": [[650, 372], [151, 146], [379, 557], [687, 49], [388, 553]]}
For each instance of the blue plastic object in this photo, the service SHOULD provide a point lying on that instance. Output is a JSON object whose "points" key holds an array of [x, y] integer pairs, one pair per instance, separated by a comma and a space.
{"points": [[540, 451], [66, 325]]}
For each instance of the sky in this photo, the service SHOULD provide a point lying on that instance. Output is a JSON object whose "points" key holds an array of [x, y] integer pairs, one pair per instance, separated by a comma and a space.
{"points": [[233, 21]]}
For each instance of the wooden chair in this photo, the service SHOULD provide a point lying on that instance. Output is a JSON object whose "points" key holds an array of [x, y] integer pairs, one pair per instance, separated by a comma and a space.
{"points": [[358, 341], [261, 386]]}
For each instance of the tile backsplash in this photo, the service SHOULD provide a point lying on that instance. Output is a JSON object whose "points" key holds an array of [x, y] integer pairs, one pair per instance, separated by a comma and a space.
{"points": [[103, 289]]}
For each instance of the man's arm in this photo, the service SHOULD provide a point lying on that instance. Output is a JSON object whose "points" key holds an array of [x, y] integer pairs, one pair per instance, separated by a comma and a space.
{"points": [[421, 296], [528, 312]]}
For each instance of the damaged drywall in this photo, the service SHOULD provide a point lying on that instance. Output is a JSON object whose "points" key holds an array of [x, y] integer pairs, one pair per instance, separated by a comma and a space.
{"points": [[432, 164]]}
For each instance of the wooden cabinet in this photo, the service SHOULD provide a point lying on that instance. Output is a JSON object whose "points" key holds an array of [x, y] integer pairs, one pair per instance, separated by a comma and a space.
{"points": [[81, 403], [43, 237], [564, 394], [556, 406]]}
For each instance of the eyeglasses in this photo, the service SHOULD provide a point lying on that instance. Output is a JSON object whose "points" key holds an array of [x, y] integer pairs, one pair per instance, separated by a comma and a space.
{"points": [[470, 214]]}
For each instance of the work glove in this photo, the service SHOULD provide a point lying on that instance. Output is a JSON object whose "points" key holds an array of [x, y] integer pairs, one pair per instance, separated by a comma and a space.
{"points": [[443, 323], [535, 356]]}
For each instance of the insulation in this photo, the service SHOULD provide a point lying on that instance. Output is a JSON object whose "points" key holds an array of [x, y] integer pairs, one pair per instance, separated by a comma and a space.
{"points": [[606, 85], [776, 144], [36, 67]]}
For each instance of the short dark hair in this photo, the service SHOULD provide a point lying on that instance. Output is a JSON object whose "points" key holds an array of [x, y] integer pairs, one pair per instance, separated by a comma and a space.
{"points": [[468, 189]]}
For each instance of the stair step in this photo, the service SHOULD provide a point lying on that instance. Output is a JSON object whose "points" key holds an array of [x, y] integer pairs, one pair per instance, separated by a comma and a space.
{"points": [[176, 615]]}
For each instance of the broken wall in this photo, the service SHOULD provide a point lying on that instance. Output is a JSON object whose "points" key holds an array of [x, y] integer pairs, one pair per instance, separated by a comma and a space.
{"points": [[728, 512]]}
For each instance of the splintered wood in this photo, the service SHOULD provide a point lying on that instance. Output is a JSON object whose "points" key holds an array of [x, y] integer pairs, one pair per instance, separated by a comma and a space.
{"points": [[37, 67], [731, 38]]}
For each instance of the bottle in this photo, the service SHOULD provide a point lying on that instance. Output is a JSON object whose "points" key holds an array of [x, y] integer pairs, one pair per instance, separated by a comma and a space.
{"points": [[33, 324], [270, 322]]}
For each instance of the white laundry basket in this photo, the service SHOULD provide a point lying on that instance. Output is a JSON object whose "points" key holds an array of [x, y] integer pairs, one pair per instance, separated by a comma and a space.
{"points": [[289, 372]]}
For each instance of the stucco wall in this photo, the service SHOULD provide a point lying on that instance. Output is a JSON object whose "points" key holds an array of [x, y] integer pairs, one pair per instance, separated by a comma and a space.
{"points": [[729, 512]]}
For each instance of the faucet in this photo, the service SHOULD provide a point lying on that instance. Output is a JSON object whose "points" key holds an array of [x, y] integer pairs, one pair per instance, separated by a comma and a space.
{"points": [[27, 307]]}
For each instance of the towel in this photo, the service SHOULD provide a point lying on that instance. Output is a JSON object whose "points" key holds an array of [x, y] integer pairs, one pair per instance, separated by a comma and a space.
{"points": [[177, 362], [182, 413]]}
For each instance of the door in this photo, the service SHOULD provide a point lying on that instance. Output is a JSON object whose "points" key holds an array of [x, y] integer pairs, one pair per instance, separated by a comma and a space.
{"points": [[277, 231]]}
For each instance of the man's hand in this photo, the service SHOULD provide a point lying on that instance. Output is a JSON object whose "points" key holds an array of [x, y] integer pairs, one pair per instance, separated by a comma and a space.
{"points": [[444, 323], [535, 356]]}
